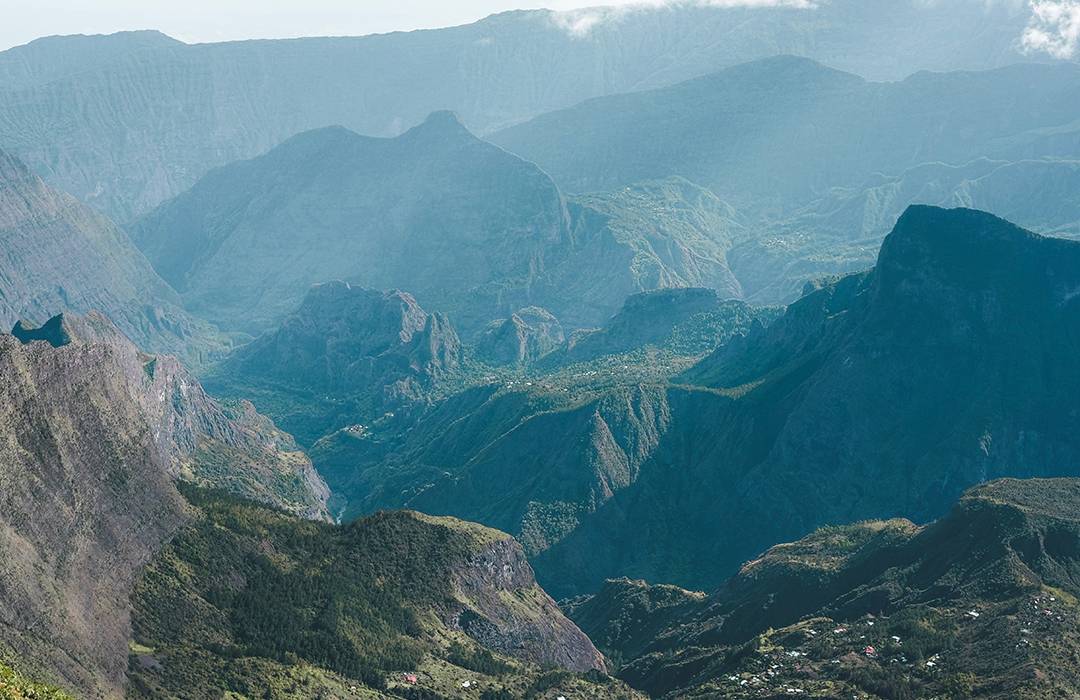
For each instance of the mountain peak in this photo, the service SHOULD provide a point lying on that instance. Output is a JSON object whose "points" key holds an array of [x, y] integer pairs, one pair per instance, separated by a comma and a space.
{"points": [[975, 250], [441, 124]]}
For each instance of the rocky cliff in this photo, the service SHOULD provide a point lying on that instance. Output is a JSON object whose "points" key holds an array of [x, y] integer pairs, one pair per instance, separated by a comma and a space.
{"points": [[225, 446], [87, 499]]}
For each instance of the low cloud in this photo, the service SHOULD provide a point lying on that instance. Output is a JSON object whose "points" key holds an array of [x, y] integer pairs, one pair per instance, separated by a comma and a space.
{"points": [[1054, 28], [580, 23]]}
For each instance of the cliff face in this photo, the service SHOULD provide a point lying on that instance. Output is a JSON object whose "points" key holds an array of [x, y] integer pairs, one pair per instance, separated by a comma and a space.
{"points": [[86, 500], [533, 629], [201, 440]]}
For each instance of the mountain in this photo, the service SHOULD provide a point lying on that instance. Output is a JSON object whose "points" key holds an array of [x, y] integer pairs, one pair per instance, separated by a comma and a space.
{"points": [[155, 115], [534, 451], [120, 575], [60, 255], [841, 231], [87, 499], [270, 605], [471, 230], [781, 130], [227, 446], [347, 353], [525, 337], [882, 394], [980, 603], [689, 319]]}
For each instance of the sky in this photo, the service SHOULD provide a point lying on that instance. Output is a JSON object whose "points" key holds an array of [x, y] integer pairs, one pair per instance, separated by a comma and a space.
{"points": [[219, 20]]}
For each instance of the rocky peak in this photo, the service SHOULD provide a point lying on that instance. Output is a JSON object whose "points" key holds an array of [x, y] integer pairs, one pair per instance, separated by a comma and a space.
{"points": [[525, 337], [378, 347]]}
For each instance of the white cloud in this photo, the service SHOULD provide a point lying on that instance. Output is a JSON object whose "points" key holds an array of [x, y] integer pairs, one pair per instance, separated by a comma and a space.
{"points": [[580, 23], [1054, 28]]}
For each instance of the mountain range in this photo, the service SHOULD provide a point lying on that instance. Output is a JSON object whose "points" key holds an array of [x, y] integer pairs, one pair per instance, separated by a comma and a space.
{"points": [[129, 120], [883, 393], [467, 228], [747, 331]]}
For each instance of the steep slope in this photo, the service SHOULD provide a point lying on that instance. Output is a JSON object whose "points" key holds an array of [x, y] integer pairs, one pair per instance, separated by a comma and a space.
{"points": [[469, 229], [227, 446], [86, 500], [347, 354], [156, 114], [58, 254], [252, 601], [776, 132], [981, 603], [883, 394]]}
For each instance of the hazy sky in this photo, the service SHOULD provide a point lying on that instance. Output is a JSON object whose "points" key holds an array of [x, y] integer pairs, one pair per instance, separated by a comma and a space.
{"points": [[218, 20]]}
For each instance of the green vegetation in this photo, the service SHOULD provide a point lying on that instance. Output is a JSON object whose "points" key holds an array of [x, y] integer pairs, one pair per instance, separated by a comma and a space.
{"points": [[243, 581], [255, 603], [16, 686]]}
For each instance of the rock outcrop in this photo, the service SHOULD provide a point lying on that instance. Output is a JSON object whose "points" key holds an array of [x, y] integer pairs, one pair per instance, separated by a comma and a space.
{"points": [[230, 447], [522, 339]]}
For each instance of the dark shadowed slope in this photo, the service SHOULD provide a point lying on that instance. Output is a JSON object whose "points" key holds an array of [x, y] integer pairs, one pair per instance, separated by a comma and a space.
{"points": [[156, 114], [884, 394], [58, 254]]}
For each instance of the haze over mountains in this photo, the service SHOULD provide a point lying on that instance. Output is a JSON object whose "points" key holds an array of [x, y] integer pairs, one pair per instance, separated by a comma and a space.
{"points": [[59, 254], [320, 348], [223, 102], [468, 228]]}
